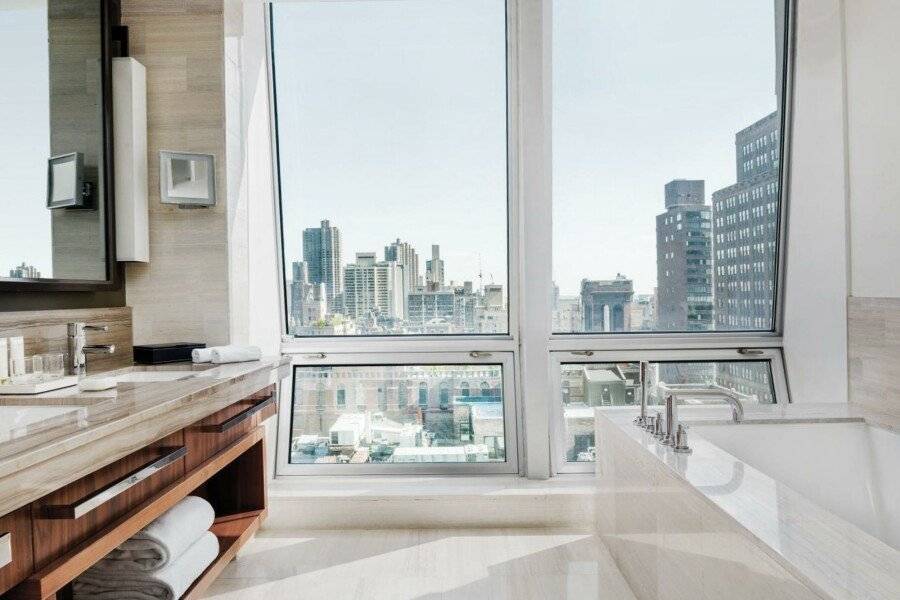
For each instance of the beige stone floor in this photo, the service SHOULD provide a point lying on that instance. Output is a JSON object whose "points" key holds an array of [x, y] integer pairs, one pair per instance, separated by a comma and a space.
{"points": [[407, 564]]}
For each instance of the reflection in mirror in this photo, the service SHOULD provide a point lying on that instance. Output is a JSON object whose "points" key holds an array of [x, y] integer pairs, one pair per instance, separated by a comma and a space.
{"points": [[51, 116]]}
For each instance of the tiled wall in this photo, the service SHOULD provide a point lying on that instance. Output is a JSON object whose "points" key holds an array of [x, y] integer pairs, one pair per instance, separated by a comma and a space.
{"points": [[182, 294], [874, 353]]}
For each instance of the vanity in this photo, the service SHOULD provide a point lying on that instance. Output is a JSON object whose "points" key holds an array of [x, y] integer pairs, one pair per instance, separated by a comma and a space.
{"points": [[82, 472]]}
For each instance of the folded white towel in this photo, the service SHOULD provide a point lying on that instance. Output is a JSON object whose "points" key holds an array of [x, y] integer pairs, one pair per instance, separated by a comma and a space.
{"points": [[162, 541], [201, 355], [232, 354], [169, 583]]}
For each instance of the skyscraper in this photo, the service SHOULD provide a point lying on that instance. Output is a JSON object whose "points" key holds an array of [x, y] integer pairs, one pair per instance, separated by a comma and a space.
{"points": [[434, 269], [745, 223], [372, 290], [322, 255], [308, 303], [606, 304], [684, 259], [404, 255]]}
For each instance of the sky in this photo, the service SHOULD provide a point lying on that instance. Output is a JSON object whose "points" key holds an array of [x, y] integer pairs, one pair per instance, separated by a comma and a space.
{"points": [[391, 118], [24, 136]]}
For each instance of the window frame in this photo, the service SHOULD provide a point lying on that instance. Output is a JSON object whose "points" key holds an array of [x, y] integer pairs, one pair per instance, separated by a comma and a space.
{"points": [[773, 355], [511, 415], [532, 347]]}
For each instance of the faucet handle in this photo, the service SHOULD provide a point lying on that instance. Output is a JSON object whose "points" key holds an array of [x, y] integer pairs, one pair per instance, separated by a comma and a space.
{"points": [[681, 440], [96, 327]]}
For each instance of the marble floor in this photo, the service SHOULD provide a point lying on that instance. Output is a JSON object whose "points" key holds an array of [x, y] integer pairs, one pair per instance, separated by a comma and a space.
{"points": [[423, 564]]}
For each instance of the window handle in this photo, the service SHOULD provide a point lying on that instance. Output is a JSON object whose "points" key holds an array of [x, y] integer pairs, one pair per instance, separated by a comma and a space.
{"points": [[477, 354], [317, 356], [582, 352], [749, 351]]}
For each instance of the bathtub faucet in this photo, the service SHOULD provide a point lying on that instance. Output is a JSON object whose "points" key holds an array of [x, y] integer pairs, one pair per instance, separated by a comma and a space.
{"points": [[737, 409]]}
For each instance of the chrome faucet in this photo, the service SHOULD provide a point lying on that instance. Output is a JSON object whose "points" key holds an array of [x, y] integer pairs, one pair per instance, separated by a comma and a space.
{"points": [[737, 409], [78, 347], [671, 420], [641, 420]]}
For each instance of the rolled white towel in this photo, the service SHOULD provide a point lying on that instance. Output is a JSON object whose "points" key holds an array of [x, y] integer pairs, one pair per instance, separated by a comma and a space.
{"points": [[169, 583], [162, 541], [233, 354], [201, 355]]}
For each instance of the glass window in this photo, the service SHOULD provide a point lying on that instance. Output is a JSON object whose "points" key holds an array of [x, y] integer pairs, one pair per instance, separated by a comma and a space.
{"points": [[585, 386], [662, 116], [391, 126], [455, 429]]}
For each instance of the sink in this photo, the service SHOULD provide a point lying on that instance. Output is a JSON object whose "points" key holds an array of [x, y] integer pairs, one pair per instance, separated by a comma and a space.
{"points": [[151, 376], [16, 421]]}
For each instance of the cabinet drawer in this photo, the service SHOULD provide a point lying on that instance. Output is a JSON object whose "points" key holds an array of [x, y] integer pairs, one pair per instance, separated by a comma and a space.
{"points": [[80, 510], [16, 555], [218, 431]]}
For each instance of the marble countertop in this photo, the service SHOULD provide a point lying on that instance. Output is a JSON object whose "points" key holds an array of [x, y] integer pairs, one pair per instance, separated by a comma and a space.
{"points": [[830, 553], [48, 440]]}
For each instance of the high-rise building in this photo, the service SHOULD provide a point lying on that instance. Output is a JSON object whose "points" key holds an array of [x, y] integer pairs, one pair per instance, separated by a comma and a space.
{"points": [[322, 255], [25, 271], [372, 290], [434, 269], [491, 315], [568, 316], [745, 229], [606, 304], [308, 303], [684, 259], [745, 235], [405, 255], [442, 311]]}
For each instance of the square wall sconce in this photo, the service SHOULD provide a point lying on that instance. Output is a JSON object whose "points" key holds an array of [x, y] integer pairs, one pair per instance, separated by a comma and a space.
{"points": [[187, 179]]}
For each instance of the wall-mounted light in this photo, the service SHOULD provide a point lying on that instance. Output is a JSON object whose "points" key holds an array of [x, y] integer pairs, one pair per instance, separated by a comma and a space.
{"points": [[187, 179], [66, 187]]}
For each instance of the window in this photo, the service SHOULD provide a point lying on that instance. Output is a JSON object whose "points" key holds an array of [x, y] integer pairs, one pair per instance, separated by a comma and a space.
{"points": [[382, 432], [391, 122], [702, 382], [662, 116]]}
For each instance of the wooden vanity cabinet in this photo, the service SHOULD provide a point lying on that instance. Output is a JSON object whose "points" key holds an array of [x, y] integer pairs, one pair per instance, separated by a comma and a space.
{"points": [[16, 555], [78, 511]]}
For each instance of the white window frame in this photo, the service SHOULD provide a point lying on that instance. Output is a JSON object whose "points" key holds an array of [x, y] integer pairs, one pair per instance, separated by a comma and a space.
{"points": [[510, 415], [533, 348], [772, 355]]}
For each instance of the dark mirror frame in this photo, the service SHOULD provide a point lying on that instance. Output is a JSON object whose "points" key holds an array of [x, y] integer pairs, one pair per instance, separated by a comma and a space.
{"points": [[113, 43]]}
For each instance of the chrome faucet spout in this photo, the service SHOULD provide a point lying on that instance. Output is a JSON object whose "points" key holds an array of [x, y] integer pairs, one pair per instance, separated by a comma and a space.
{"points": [[78, 347], [737, 409]]}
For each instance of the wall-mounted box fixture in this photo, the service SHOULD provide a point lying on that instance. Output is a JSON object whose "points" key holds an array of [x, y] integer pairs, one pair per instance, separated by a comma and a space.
{"points": [[130, 152], [66, 187], [187, 179]]}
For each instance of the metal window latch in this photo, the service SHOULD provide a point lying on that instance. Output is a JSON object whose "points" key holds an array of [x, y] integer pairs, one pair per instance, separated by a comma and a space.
{"points": [[477, 354], [750, 351], [582, 352], [316, 356]]}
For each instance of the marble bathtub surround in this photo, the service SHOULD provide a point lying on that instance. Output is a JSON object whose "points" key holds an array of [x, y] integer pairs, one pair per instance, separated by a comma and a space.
{"points": [[48, 455], [683, 526]]}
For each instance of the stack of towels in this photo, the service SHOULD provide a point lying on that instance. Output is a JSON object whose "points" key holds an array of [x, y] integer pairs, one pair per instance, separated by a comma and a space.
{"points": [[160, 562], [225, 354]]}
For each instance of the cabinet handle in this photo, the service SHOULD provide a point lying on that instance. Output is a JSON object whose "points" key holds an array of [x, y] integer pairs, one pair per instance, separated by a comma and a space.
{"points": [[5, 549], [100, 497], [238, 418]]}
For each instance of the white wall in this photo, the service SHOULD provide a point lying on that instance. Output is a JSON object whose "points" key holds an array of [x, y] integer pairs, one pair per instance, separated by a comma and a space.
{"points": [[873, 128], [815, 335]]}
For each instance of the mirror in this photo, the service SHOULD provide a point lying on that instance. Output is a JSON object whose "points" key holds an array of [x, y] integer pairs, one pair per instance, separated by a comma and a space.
{"points": [[53, 193]]}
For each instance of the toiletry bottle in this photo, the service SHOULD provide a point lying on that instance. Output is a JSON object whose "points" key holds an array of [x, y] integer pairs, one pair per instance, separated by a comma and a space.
{"points": [[16, 357], [4, 361]]}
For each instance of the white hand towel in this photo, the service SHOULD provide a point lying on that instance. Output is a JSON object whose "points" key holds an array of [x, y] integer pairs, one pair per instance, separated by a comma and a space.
{"points": [[232, 354], [201, 355], [162, 541], [169, 583]]}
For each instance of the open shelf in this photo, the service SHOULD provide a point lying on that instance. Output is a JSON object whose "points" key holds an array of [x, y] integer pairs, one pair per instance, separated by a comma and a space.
{"points": [[233, 532]]}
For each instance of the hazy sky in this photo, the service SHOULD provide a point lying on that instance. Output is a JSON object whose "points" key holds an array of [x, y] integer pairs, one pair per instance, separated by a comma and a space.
{"points": [[392, 122]]}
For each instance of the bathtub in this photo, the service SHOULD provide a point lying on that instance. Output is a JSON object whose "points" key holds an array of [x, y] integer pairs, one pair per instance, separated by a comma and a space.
{"points": [[795, 508], [849, 469]]}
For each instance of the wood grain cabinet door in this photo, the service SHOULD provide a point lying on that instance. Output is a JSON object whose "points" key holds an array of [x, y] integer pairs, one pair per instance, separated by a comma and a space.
{"points": [[218, 431], [63, 519], [16, 555]]}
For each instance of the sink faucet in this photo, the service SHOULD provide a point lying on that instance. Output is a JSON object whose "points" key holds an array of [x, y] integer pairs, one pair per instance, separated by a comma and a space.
{"points": [[78, 347]]}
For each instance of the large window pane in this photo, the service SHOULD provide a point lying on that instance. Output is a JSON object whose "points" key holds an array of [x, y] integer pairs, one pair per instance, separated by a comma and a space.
{"points": [[667, 145], [585, 386], [398, 414], [391, 127]]}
